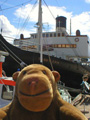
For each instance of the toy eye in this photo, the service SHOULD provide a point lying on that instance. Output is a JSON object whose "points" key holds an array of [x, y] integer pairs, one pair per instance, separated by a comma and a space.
{"points": [[24, 72], [44, 72]]}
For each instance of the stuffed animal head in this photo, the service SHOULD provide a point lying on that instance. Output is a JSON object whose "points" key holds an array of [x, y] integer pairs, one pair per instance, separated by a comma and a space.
{"points": [[36, 87]]}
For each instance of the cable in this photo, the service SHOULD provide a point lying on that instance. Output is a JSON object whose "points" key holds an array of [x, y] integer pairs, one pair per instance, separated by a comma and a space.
{"points": [[15, 6], [1, 20], [18, 60], [49, 9], [18, 25], [49, 56], [9, 37], [57, 2], [26, 20]]}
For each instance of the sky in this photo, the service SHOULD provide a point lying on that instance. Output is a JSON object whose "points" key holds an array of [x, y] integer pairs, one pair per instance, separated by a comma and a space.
{"points": [[21, 16]]}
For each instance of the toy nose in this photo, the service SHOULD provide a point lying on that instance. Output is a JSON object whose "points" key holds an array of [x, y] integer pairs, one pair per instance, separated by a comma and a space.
{"points": [[32, 81]]}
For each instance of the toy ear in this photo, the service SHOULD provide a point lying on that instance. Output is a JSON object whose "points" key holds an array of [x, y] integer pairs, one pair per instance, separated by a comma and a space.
{"points": [[56, 75], [15, 75]]}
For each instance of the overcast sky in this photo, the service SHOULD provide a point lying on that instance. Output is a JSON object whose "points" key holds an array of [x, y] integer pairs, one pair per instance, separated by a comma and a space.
{"points": [[20, 16]]}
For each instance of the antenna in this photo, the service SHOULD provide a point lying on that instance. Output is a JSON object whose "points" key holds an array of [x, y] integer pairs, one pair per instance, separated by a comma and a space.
{"points": [[70, 26]]}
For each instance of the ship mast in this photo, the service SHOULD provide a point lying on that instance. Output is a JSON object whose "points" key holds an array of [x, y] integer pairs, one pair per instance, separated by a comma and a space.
{"points": [[70, 26], [40, 47]]}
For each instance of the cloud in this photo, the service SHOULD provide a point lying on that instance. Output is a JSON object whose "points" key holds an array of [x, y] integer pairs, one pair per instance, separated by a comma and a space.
{"points": [[80, 21], [48, 18], [30, 17], [8, 30], [26, 11], [87, 1], [33, 15]]}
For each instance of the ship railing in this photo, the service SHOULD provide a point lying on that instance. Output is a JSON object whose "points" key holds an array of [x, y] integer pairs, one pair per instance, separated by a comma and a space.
{"points": [[62, 85], [64, 93]]}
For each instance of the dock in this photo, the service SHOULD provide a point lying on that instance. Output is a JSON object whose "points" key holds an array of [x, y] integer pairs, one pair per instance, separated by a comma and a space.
{"points": [[82, 102]]}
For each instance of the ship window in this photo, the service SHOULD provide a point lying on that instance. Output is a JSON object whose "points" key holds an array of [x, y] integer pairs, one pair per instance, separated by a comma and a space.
{"points": [[73, 46], [24, 48], [32, 47], [63, 34], [46, 60], [59, 46], [58, 34], [21, 42], [47, 35], [43, 34], [32, 36], [54, 34], [67, 46], [35, 36], [7, 92], [63, 45], [55, 45], [50, 34], [35, 46]]}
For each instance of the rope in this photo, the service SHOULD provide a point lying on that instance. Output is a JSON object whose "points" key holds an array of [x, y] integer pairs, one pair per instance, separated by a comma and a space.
{"points": [[18, 60], [49, 56], [8, 50]]}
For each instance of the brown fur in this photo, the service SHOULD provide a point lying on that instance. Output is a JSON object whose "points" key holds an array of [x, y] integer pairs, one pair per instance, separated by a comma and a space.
{"points": [[48, 105]]}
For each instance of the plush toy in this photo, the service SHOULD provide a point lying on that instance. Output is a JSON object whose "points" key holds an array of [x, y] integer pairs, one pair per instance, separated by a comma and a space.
{"points": [[37, 98]]}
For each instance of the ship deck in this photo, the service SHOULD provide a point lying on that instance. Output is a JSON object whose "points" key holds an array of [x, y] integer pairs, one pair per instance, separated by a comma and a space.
{"points": [[84, 104]]}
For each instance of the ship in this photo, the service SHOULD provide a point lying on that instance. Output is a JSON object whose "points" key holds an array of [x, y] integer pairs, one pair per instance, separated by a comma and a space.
{"points": [[68, 54]]}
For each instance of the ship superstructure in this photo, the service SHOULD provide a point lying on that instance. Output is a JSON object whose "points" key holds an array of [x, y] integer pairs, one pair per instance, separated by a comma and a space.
{"points": [[59, 43]]}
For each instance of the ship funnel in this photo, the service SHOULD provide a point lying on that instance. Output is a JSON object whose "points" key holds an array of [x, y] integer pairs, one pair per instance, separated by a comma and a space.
{"points": [[60, 23], [21, 36]]}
